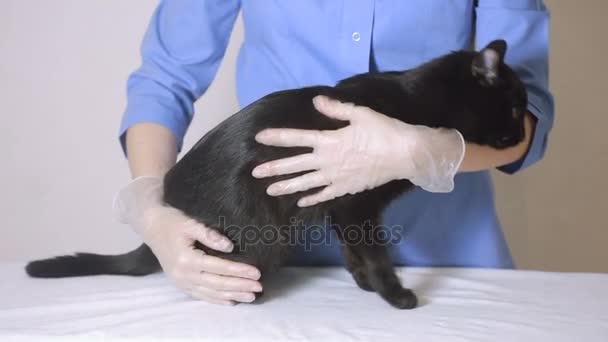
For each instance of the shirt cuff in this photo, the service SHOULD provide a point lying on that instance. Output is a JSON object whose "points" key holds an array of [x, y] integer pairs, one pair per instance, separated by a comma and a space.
{"points": [[150, 110], [538, 108]]}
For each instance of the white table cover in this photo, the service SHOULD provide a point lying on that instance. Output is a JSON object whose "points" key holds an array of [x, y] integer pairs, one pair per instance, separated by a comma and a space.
{"points": [[317, 304]]}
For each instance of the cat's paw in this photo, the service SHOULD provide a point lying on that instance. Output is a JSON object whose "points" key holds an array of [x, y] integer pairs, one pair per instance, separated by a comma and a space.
{"points": [[402, 299]]}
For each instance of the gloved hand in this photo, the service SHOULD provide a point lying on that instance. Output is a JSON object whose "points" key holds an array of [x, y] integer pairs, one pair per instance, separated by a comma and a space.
{"points": [[171, 236], [373, 150]]}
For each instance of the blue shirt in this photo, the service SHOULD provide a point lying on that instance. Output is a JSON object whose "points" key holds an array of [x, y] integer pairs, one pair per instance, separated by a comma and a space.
{"points": [[291, 44]]}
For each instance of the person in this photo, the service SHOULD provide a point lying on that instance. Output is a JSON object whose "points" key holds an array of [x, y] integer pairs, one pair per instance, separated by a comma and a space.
{"points": [[450, 219]]}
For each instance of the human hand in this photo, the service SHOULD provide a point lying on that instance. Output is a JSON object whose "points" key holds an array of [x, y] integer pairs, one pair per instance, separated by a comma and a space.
{"points": [[372, 150], [171, 236]]}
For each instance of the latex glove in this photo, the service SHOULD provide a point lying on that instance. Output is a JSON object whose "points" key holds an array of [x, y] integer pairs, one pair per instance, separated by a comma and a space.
{"points": [[372, 150], [171, 236]]}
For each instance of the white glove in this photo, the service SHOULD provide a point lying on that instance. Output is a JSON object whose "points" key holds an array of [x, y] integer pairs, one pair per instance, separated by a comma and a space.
{"points": [[372, 150], [171, 236]]}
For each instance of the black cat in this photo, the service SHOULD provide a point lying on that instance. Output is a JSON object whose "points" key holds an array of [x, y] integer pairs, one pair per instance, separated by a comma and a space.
{"points": [[475, 93]]}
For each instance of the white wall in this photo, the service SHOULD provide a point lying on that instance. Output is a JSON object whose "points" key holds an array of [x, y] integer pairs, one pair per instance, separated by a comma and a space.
{"points": [[555, 213], [63, 67]]}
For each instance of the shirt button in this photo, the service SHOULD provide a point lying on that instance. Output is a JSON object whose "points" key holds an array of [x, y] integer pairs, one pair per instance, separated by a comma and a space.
{"points": [[356, 36]]}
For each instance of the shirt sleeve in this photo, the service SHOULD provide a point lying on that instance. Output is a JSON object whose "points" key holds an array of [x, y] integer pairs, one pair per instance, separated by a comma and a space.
{"points": [[524, 24], [181, 52]]}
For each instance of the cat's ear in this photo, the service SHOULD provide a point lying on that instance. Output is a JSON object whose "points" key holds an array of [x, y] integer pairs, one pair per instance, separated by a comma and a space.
{"points": [[487, 62]]}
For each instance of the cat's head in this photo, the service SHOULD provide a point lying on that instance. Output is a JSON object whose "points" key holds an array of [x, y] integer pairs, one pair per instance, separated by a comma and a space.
{"points": [[495, 99]]}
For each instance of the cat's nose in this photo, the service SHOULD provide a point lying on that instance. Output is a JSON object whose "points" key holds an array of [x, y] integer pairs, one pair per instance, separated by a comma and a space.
{"points": [[503, 141]]}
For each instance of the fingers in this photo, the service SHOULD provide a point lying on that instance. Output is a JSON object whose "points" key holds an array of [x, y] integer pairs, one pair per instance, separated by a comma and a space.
{"points": [[335, 109], [225, 283], [209, 237], [215, 280], [328, 193], [206, 298], [288, 137], [222, 296], [297, 184], [213, 264], [302, 162], [211, 300], [291, 137]]}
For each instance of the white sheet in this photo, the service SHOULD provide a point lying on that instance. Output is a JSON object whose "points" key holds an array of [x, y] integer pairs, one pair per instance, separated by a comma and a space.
{"points": [[311, 304]]}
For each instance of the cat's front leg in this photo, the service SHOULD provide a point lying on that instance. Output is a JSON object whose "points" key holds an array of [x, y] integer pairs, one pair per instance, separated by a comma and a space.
{"points": [[368, 260], [355, 265]]}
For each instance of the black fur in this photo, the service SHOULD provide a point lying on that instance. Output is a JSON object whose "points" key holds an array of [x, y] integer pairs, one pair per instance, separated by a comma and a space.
{"points": [[485, 101], [138, 262]]}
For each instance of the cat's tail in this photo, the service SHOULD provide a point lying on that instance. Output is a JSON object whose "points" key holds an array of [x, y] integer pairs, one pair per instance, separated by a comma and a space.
{"points": [[140, 261]]}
